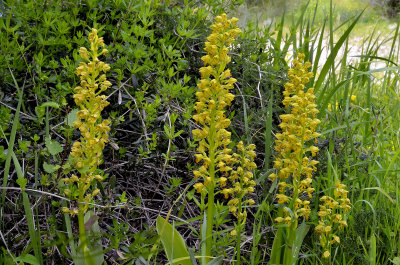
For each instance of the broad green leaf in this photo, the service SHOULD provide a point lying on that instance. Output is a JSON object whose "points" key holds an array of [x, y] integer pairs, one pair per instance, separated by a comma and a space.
{"points": [[51, 104], [384, 69], [28, 258], [53, 147], [278, 248], [334, 52], [383, 192], [301, 232], [174, 245], [40, 110], [93, 231], [11, 144], [28, 210]]}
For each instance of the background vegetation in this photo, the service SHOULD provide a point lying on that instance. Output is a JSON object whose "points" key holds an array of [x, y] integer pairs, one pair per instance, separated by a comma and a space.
{"points": [[155, 49]]}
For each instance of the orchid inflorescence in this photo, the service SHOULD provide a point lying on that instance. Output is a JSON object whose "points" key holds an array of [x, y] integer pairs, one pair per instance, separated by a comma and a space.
{"points": [[293, 164], [86, 154]]}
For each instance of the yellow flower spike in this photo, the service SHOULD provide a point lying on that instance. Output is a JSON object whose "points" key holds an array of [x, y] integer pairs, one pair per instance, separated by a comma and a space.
{"points": [[298, 125], [218, 163], [331, 216], [86, 153]]}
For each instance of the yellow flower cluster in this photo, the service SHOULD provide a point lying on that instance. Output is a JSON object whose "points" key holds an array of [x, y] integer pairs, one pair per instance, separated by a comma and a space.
{"points": [[213, 151], [213, 96], [86, 154], [294, 167], [331, 215], [242, 181], [220, 166]]}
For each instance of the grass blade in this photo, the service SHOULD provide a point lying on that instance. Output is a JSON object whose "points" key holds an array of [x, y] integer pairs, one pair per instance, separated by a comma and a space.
{"points": [[28, 211], [10, 146], [331, 59]]}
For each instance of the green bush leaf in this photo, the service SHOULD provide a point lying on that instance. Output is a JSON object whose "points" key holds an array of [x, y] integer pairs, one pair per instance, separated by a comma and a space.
{"points": [[22, 182], [49, 168], [173, 243], [53, 147], [71, 117]]}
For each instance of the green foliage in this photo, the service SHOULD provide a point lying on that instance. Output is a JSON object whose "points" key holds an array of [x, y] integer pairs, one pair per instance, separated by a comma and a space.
{"points": [[155, 54]]}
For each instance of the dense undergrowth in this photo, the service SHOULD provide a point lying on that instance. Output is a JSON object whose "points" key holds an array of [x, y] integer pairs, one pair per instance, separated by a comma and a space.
{"points": [[203, 159]]}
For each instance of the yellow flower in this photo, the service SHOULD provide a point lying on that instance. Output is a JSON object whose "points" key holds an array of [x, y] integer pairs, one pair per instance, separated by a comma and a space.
{"points": [[282, 198], [335, 239], [251, 202], [353, 98], [226, 192], [326, 254], [212, 98], [198, 187]]}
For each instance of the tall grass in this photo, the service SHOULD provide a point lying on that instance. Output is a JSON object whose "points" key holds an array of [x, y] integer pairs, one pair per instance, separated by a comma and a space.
{"points": [[359, 114]]}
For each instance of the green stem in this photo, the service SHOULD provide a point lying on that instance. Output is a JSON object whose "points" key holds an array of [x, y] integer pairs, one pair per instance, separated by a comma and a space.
{"points": [[81, 223], [210, 221], [238, 235], [212, 153], [210, 188]]}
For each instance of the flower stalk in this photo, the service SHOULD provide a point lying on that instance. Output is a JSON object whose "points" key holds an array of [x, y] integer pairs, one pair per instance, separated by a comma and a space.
{"points": [[218, 163], [86, 154], [294, 164]]}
